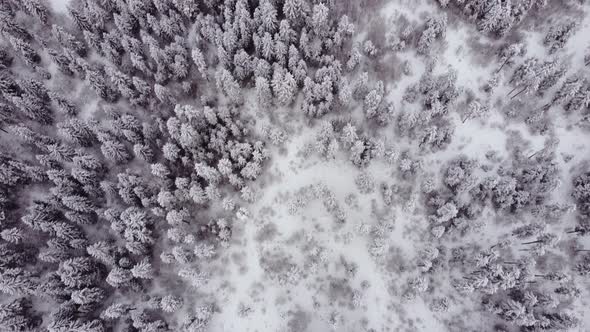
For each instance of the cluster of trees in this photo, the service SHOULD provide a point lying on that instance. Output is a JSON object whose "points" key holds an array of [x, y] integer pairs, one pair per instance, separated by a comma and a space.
{"points": [[318, 191], [148, 151], [581, 194], [519, 291], [430, 125], [546, 80], [495, 17], [523, 185], [449, 207], [558, 35], [512, 277], [535, 76], [518, 288], [134, 162], [332, 136]]}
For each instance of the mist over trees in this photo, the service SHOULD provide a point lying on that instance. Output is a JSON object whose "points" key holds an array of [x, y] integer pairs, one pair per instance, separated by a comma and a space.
{"points": [[136, 135]]}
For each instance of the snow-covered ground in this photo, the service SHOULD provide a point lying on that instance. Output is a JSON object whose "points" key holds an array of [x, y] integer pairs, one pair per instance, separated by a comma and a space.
{"points": [[326, 294], [59, 5]]}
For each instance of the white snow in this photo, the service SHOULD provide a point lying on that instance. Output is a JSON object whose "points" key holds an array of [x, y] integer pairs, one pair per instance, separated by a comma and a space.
{"points": [[59, 5]]}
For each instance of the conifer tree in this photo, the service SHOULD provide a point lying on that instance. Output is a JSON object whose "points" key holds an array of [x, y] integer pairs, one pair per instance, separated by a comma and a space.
{"points": [[37, 9], [285, 89], [28, 54], [16, 315], [78, 272], [143, 270], [559, 35], [170, 303], [263, 92], [67, 40], [76, 132], [80, 19], [115, 151]]}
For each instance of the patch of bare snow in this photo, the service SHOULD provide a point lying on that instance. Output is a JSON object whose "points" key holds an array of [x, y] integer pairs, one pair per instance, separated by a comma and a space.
{"points": [[59, 5]]}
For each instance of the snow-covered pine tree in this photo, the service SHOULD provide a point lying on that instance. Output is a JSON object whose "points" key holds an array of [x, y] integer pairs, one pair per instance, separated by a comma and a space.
{"points": [[26, 51]]}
